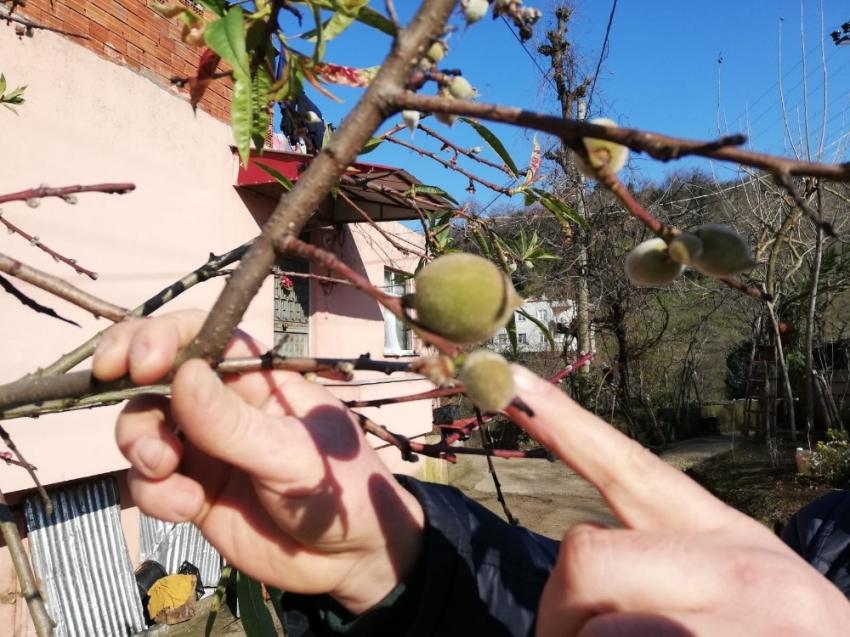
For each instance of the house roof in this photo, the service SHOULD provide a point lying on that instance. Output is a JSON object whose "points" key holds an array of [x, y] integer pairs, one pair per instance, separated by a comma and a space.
{"points": [[379, 191]]}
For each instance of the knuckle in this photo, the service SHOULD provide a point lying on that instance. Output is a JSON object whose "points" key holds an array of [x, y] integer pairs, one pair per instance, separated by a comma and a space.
{"points": [[584, 555]]}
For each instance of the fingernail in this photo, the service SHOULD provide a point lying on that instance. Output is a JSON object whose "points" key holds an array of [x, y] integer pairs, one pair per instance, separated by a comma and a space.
{"points": [[526, 382], [149, 454]]}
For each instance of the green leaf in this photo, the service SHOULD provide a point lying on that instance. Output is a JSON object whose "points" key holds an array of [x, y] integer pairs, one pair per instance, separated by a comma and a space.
{"points": [[11, 109], [319, 51], [494, 143], [227, 38], [223, 581], [561, 210], [214, 6], [276, 597], [2, 84], [371, 145], [503, 261], [256, 619], [281, 179], [429, 190], [540, 325], [336, 25], [365, 15], [261, 116], [241, 116], [482, 244]]}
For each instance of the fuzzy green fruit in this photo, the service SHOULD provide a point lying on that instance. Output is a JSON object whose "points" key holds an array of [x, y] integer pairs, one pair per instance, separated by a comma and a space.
{"points": [[612, 154], [461, 89], [686, 248], [487, 380], [437, 51], [649, 265], [724, 252], [446, 118], [464, 298]]}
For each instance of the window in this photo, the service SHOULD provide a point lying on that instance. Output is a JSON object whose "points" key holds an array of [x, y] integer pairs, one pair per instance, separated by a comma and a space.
{"points": [[503, 339], [523, 339], [398, 338], [520, 317]]}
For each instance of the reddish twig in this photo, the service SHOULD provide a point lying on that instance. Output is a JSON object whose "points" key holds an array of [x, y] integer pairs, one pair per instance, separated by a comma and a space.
{"points": [[44, 191], [36, 242], [62, 289], [426, 395], [569, 369], [460, 151], [309, 275], [451, 166], [30, 469], [403, 249]]}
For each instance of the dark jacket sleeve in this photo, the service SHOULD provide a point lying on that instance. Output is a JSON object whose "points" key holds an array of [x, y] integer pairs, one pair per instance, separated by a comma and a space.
{"points": [[478, 575], [820, 534]]}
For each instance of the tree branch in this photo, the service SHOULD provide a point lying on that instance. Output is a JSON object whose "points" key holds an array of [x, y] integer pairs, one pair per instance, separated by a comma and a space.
{"points": [[323, 172], [36, 242], [62, 289], [44, 191], [20, 560]]}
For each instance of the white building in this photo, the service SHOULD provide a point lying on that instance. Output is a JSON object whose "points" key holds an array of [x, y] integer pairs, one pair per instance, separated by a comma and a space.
{"points": [[530, 338]]}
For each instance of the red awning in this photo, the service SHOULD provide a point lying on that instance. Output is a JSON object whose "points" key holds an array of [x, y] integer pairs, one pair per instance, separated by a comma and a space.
{"points": [[377, 190]]}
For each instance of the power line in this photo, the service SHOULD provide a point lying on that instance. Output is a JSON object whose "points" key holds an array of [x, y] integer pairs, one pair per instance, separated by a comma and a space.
{"points": [[528, 53], [602, 54]]}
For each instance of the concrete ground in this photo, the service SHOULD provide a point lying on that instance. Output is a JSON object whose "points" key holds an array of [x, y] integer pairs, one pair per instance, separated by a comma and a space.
{"points": [[547, 498]]}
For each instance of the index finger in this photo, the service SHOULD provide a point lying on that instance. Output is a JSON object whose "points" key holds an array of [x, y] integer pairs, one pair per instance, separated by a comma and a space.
{"points": [[642, 490]]}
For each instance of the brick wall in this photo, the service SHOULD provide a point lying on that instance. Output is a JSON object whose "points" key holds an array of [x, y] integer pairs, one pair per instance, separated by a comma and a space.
{"points": [[128, 32]]}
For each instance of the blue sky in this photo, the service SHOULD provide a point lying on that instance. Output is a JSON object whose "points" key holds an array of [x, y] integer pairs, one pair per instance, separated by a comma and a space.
{"points": [[661, 74]]}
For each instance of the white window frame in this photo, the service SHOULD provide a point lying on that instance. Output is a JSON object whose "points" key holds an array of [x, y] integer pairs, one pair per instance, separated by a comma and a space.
{"points": [[391, 322]]}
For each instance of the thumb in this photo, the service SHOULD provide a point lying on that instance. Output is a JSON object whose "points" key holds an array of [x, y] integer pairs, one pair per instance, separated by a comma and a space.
{"points": [[222, 424]]}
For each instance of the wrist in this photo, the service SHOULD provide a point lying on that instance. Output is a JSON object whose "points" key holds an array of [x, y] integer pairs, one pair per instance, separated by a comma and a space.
{"points": [[391, 559]]}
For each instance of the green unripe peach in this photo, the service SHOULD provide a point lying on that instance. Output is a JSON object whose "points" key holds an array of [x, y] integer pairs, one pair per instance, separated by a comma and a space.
{"points": [[724, 252], [487, 380], [686, 248], [649, 265], [461, 89], [614, 155], [464, 298]]}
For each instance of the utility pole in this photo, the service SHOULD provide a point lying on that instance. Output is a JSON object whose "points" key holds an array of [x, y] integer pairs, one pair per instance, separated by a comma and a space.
{"points": [[571, 94]]}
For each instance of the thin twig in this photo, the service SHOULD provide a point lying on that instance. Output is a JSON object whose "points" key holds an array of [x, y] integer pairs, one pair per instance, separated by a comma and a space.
{"points": [[7, 440], [36, 242], [784, 180], [426, 395], [451, 166], [475, 156], [204, 273], [44, 191], [487, 444], [62, 289], [403, 249], [63, 405], [333, 368], [310, 275], [20, 560]]}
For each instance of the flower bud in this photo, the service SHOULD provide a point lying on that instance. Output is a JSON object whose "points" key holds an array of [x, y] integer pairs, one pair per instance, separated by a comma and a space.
{"points": [[724, 252], [686, 248], [614, 155], [463, 298], [437, 51], [476, 149], [461, 89], [411, 120], [474, 10], [649, 265], [445, 118], [487, 380]]}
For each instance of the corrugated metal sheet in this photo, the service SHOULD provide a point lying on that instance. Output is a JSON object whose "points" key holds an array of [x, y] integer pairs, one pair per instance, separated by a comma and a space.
{"points": [[170, 544], [80, 555]]}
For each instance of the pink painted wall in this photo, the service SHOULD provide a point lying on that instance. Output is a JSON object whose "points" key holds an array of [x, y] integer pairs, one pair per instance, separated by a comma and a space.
{"points": [[87, 120]]}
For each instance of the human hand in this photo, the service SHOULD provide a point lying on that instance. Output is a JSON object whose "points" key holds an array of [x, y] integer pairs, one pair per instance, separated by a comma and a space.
{"points": [[686, 563], [271, 468]]}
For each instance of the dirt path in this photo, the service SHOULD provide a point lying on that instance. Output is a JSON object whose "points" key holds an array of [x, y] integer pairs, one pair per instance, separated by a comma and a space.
{"points": [[548, 498]]}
